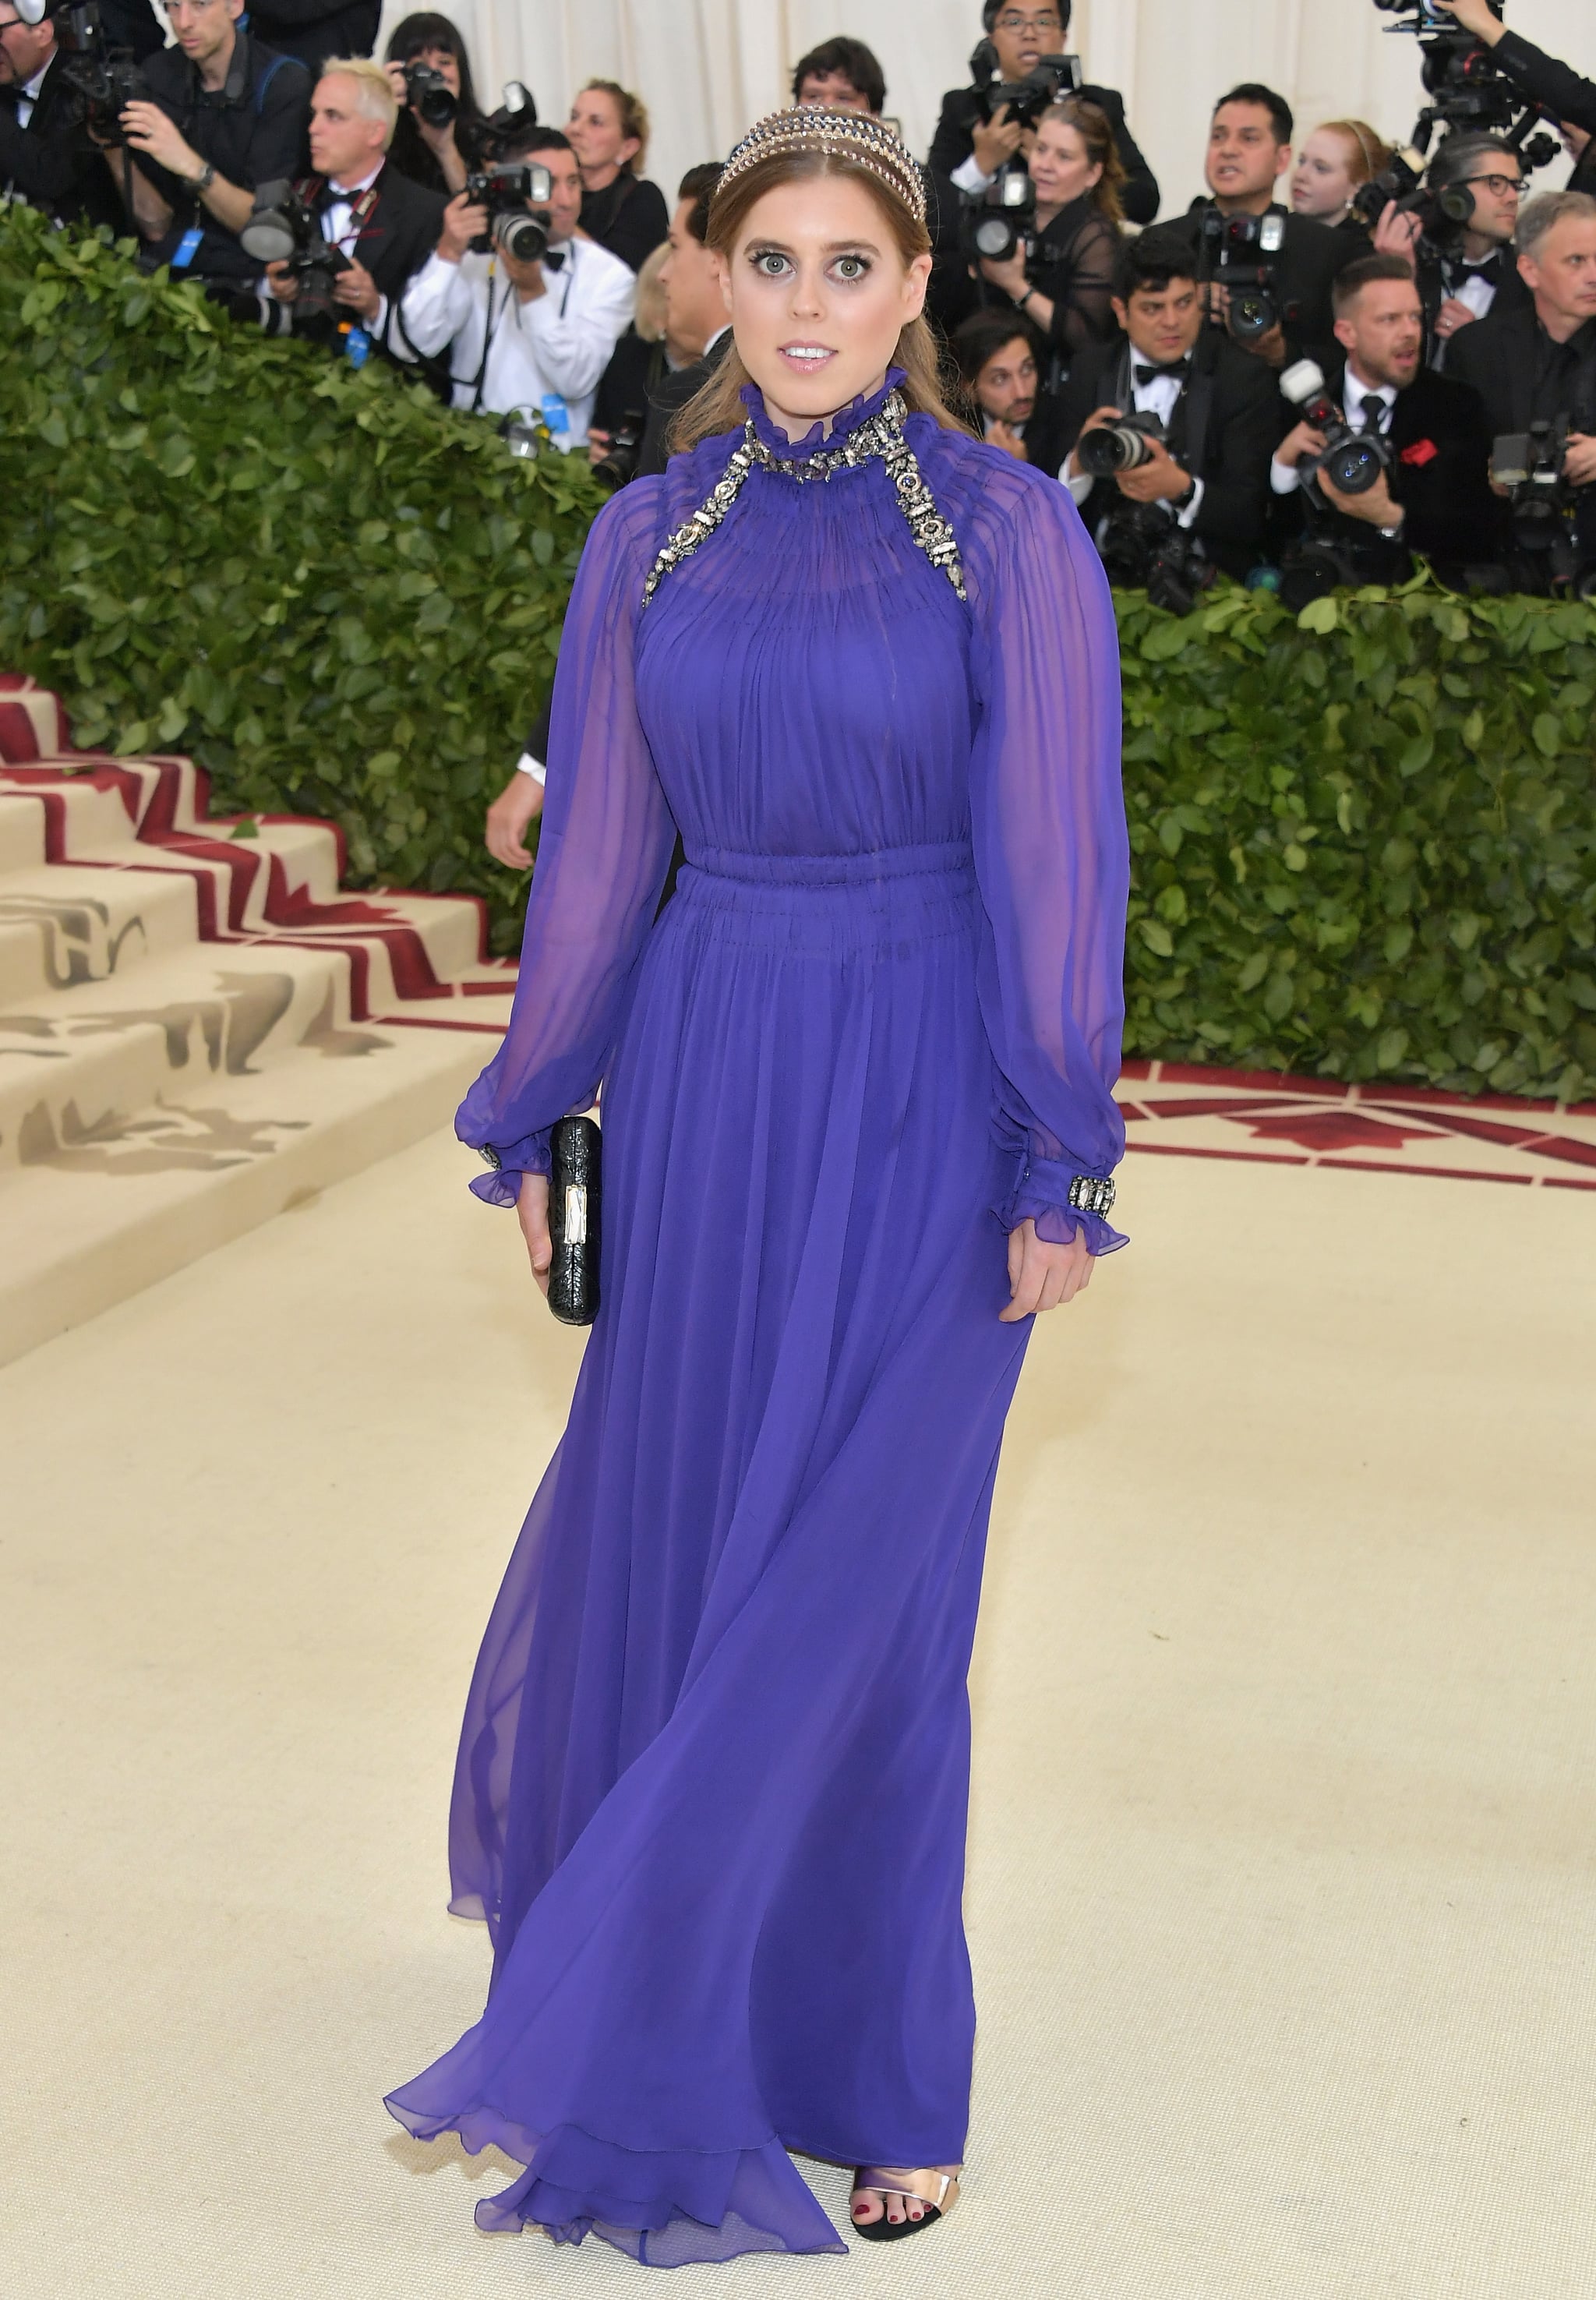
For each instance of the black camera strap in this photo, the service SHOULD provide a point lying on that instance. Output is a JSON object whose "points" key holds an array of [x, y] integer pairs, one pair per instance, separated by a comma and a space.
{"points": [[495, 319]]}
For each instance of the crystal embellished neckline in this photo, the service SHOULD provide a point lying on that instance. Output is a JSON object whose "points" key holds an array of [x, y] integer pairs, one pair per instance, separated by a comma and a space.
{"points": [[879, 435]]}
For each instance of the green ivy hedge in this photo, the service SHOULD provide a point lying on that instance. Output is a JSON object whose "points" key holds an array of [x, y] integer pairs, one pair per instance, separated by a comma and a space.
{"points": [[341, 597], [1365, 839]]}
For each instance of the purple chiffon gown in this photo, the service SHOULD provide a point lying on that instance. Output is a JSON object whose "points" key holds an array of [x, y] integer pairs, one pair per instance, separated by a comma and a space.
{"points": [[710, 1794]]}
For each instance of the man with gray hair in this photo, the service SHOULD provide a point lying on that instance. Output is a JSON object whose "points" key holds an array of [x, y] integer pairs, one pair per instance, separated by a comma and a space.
{"points": [[1536, 362], [384, 226]]}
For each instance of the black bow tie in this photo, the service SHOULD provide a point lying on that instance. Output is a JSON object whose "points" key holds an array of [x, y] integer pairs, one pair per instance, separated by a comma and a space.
{"points": [[1176, 368], [554, 257]]}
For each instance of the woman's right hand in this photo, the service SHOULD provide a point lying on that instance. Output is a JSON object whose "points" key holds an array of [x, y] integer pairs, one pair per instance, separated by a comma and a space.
{"points": [[532, 1212]]}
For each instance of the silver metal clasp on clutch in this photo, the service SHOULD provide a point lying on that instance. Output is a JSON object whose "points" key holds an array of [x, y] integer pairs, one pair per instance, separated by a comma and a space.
{"points": [[575, 1214]]}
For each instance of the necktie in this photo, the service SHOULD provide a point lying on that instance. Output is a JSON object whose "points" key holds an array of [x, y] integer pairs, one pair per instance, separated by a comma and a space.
{"points": [[1143, 375], [1374, 410]]}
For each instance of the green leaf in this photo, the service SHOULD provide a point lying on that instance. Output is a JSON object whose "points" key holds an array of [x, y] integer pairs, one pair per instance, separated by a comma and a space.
{"points": [[1546, 734], [1157, 937], [1321, 615]]}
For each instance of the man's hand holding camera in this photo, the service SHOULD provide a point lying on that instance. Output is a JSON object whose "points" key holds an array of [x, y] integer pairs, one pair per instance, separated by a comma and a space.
{"points": [[1579, 462], [998, 139], [154, 135], [1376, 506], [466, 221], [1158, 479], [354, 290], [1270, 346]]}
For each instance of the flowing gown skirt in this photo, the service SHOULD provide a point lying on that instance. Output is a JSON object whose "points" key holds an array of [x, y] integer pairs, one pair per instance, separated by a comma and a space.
{"points": [[713, 1779]]}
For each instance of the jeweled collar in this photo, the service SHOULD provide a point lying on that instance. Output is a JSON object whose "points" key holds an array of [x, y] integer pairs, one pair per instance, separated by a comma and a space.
{"points": [[844, 423]]}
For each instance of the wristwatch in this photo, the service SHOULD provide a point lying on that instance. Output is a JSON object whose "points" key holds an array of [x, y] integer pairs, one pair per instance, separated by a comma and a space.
{"points": [[206, 179]]}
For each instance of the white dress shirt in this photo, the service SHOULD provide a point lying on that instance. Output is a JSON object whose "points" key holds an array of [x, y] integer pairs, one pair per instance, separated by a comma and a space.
{"points": [[1159, 396], [1285, 479], [970, 176], [554, 348]]}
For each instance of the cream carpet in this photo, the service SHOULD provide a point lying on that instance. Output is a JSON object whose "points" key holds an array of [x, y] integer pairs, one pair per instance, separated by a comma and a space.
{"points": [[1281, 1886]]}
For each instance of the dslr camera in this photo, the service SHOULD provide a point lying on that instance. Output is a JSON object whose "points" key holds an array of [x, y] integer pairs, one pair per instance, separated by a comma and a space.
{"points": [[1049, 79], [1351, 461], [1239, 253], [1143, 546], [102, 80], [282, 230], [1002, 219], [1543, 507], [516, 194], [1109, 450], [429, 95]]}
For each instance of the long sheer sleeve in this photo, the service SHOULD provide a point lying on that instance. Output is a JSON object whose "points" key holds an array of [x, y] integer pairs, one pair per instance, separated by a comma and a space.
{"points": [[1050, 847], [1081, 284], [603, 849]]}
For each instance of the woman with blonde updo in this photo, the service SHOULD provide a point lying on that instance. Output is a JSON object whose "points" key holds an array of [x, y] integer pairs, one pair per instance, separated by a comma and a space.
{"points": [[859, 1130]]}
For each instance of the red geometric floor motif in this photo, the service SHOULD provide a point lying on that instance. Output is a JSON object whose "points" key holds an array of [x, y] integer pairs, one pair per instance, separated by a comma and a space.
{"points": [[1181, 1109]]}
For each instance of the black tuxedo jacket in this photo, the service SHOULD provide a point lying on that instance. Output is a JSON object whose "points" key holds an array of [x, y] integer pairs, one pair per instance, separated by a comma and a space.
{"points": [[314, 29], [1245, 425], [52, 162], [1522, 376], [666, 401], [1440, 438], [398, 235], [1306, 265], [964, 108]]}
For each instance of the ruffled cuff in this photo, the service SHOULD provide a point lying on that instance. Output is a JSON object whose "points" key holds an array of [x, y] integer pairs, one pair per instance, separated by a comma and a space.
{"points": [[1039, 1192], [501, 1187]]}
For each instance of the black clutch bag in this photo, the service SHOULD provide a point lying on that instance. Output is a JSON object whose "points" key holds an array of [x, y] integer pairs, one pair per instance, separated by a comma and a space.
{"points": [[574, 1221]]}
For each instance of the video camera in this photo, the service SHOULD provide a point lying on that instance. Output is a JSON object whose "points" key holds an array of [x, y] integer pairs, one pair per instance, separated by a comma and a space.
{"points": [[1049, 79], [1239, 253], [516, 194], [103, 78], [1470, 94], [1351, 461], [1544, 508], [282, 230]]}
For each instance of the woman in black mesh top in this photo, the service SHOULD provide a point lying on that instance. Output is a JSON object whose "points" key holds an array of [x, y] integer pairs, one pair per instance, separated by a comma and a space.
{"points": [[1065, 286]]}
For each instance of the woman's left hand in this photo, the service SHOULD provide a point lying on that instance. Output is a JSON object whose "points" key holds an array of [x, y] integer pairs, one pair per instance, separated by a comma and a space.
{"points": [[1010, 275], [1042, 1276]]}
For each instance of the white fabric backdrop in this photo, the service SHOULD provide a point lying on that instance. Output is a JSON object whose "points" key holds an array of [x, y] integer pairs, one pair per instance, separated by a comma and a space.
{"points": [[707, 68]]}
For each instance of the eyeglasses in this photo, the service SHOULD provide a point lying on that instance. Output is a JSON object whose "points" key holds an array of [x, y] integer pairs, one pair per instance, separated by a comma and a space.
{"points": [[1505, 187], [1048, 20]]}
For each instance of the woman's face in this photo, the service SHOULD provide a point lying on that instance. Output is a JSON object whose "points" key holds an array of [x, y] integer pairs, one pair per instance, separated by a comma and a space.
{"points": [[594, 129], [819, 295], [1060, 166], [1323, 183], [444, 60]]}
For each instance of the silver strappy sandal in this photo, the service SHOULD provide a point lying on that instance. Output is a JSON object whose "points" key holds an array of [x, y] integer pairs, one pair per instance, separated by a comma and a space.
{"points": [[938, 2191]]}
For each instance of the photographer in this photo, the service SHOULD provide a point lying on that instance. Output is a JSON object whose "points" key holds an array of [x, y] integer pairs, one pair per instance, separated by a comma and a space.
{"points": [[608, 131], [1562, 94], [1535, 362], [1249, 150], [315, 29], [842, 74], [45, 156], [1334, 164], [997, 356], [224, 114], [1432, 494], [536, 334], [433, 152], [1218, 410], [1462, 266], [970, 148], [1063, 280], [382, 224]]}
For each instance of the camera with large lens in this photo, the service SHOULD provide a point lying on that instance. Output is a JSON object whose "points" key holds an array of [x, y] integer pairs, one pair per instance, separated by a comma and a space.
{"points": [[514, 115], [282, 230], [1403, 177], [1049, 79], [1000, 220], [1109, 450], [103, 80], [429, 95], [1544, 505], [1143, 547], [516, 194], [1351, 461], [618, 465], [1239, 253]]}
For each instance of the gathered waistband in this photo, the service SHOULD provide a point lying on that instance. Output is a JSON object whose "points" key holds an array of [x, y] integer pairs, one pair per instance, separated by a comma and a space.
{"points": [[828, 903]]}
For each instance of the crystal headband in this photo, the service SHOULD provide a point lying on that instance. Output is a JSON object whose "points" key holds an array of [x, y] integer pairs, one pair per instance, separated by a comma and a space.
{"points": [[850, 135]]}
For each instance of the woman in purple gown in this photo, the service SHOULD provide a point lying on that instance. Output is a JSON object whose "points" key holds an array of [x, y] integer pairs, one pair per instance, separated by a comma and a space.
{"points": [[711, 1796]]}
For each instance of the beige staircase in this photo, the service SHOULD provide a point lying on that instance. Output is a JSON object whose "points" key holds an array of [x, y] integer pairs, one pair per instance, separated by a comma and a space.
{"points": [[197, 1027]]}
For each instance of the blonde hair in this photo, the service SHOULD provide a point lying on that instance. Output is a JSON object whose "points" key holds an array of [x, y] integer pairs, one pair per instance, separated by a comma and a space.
{"points": [[630, 110], [1368, 154], [1091, 123], [374, 91], [649, 316], [718, 405]]}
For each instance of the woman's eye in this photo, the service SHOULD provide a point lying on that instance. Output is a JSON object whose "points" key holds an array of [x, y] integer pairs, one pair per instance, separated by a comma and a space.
{"points": [[770, 263], [852, 267]]}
